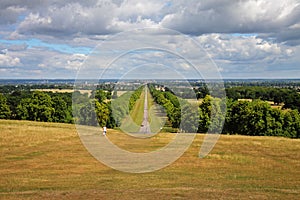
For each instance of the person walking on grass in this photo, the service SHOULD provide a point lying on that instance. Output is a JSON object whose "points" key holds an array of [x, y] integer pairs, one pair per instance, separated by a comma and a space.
{"points": [[104, 130]]}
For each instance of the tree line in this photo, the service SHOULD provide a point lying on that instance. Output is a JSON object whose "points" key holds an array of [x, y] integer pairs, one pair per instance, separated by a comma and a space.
{"points": [[255, 117], [169, 102], [61, 107], [230, 116], [103, 108], [289, 97], [36, 106], [120, 107]]}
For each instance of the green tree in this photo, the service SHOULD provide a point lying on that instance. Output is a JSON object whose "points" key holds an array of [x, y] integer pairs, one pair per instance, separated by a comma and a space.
{"points": [[87, 114], [237, 118], [119, 108], [5, 112], [134, 97], [14, 99], [62, 112], [275, 122], [111, 122], [37, 108], [258, 118], [190, 117], [204, 114], [101, 95], [103, 112], [291, 124], [211, 115]]}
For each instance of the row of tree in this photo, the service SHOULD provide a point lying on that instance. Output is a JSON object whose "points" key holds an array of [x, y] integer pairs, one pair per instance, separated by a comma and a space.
{"points": [[229, 116], [134, 97], [103, 108], [256, 118], [242, 117], [60, 107], [121, 106], [229, 83], [169, 102], [94, 109], [36, 106], [289, 97]]}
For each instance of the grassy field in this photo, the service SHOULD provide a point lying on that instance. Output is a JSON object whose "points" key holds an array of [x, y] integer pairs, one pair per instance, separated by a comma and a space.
{"points": [[48, 161], [89, 92]]}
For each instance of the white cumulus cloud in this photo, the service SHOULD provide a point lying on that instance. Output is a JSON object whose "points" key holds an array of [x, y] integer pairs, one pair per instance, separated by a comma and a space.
{"points": [[239, 49], [9, 61]]}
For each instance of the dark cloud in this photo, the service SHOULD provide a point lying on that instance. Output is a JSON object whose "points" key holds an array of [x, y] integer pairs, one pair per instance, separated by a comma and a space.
{"points": [[99, 17], [249, 16]]}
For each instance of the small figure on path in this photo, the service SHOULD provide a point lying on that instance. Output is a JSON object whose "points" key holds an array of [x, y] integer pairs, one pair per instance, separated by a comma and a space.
{"points": [[104, 130]]}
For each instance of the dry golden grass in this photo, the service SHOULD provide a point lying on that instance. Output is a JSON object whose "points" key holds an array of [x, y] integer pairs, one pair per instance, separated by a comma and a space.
{"points": [[195, 101], [89, 92], [272, 104], [48, 161], [140, 144], [250, 100], [120, 93]]}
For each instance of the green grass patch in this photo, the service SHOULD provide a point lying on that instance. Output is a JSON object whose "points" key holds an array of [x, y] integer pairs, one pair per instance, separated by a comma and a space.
{"points": [[132, 123], [157, 116], [137, 112]]}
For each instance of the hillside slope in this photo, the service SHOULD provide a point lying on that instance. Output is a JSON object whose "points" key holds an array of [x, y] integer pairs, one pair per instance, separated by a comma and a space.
{"points": [[47, 160]]}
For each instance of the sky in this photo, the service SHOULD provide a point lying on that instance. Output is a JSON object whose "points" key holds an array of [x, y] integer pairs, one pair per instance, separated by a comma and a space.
{"points": [[52, 39]]}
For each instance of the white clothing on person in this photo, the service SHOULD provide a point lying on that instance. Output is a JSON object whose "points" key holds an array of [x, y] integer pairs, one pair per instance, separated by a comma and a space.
{"points": [[104, 130]]}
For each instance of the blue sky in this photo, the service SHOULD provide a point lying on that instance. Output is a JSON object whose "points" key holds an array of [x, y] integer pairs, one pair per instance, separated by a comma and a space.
{"points": [[246, 39], [62, 48]]}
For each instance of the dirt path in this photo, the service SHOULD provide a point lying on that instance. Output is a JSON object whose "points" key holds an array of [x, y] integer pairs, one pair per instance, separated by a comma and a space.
{"points": [[145, 127]]}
